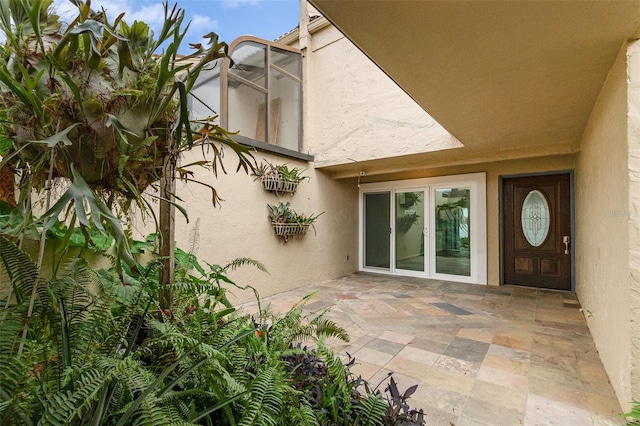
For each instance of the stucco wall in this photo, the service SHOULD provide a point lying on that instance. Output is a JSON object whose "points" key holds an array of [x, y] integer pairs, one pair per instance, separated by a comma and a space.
{"points": [[241, 228], [602, 229], [357, 113], [633, 142], [493, 172]]}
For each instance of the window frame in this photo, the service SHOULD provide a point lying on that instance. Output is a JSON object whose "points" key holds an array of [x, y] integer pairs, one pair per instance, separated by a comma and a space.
{"points": [[225, 75]]}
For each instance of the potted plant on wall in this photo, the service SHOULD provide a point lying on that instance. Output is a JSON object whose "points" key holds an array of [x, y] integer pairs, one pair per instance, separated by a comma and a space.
{"points": [[286, 222], [279, 178]]}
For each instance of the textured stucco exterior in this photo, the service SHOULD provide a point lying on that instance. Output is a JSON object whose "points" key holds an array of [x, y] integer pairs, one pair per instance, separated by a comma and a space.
{"points": [[633, 143], [241, 228], [356, 113], [351, 112], [602, 229]]}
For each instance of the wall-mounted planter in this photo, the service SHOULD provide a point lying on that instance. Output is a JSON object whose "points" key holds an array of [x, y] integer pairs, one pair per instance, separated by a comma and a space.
{"points": [[277, 183], [288, 230], [279, 179], [287, 223]]}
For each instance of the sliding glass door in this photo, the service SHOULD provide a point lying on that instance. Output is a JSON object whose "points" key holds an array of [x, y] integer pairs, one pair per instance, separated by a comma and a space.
{"points": [[434, 228], [452, 231], [377, 228], [409, 231]]}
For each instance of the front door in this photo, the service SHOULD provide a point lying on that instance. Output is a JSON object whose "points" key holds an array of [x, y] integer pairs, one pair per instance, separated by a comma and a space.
{"points": [[537, 231]]}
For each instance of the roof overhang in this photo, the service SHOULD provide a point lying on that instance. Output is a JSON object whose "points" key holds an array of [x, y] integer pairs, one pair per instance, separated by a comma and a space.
{"points": [[510, 76]]}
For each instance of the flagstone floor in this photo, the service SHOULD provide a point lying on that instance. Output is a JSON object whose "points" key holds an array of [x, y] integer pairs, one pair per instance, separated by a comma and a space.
{"points": [[481, 355]]}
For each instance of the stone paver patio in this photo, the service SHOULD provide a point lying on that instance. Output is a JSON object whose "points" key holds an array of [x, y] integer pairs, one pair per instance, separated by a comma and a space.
{"points": [[481, 355]]}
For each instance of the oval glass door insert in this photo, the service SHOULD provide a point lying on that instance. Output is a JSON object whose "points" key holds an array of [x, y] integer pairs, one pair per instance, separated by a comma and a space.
{"points": [[535, 218]]}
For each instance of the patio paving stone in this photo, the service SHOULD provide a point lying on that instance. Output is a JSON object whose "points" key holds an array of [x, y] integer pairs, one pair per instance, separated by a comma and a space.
{"points": [[480, 355]]}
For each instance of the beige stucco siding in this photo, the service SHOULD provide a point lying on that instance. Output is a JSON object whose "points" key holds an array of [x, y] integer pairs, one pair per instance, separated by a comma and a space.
{"points": [[240, 227], [633, 142], [602, 229], [356, 113], [493, 172]]}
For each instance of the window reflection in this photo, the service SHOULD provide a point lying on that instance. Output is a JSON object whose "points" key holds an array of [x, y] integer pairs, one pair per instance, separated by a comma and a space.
{"points": [[409, 230], [453, 242], [263, 96]]}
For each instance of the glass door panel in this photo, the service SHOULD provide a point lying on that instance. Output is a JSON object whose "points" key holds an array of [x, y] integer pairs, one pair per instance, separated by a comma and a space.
{"points": [[377, 225], [409, 235], [452, 231]]}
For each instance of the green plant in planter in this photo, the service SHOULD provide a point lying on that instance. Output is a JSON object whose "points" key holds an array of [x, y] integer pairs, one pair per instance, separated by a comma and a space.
{"points": [[287, 222], [279, 178]]}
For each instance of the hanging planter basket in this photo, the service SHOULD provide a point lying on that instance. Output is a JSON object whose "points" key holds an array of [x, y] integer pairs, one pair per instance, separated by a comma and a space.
{"points": [[273, 182], [287, 230]]}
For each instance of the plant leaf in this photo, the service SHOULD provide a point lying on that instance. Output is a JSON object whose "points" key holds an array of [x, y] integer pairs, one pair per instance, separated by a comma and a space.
{"points": [[79, 193], [53, 140]]}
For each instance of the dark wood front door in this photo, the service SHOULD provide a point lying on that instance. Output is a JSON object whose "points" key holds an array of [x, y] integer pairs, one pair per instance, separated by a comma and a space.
{"points": [[536, 231]]}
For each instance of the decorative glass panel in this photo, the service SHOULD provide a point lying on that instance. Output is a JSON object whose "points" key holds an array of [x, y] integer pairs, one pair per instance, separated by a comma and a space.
{"points": [[535, 218]]}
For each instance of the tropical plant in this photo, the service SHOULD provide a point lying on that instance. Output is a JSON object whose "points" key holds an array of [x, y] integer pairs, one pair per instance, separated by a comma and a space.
{"points": [[283, 213], [279, 178], [633, 417], [101, 355], [291, 175], [286, 222], [93, 101], [100, 352]]}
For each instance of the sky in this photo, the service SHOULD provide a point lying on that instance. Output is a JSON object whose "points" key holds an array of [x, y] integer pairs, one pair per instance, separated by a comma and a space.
{"points": [[267, 19]]}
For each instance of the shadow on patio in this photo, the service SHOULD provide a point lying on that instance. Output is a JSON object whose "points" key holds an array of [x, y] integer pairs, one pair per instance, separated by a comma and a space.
{"points": [[481, 355]]}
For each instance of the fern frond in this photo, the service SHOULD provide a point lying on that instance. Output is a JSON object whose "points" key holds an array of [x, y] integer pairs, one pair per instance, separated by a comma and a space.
{"points": [[243, 261], [324, 327], [371, 410], [337, 384], [22, 271], [265, 400], [302, 415], [65, 407]]}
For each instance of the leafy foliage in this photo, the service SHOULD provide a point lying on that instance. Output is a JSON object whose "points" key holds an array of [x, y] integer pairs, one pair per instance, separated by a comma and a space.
{"points": [[97, 355], [92, 101], [90, 104], [293, 174], [284, 214]]}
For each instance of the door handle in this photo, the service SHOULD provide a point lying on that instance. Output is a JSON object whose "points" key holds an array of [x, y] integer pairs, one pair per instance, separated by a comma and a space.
{"points": [[566, 240]]}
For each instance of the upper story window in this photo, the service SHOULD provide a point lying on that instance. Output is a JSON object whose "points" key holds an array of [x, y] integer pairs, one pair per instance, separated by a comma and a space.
{"points": [[258, 93]]}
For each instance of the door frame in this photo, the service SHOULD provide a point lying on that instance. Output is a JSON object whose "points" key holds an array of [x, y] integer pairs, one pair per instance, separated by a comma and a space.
{"points": [[572, 217], [476, 181]]}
